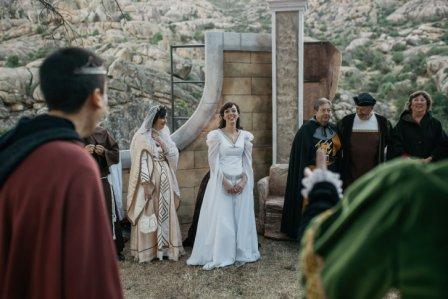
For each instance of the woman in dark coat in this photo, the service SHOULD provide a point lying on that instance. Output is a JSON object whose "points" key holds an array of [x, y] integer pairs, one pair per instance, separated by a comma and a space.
{"points": [[418, 134]]}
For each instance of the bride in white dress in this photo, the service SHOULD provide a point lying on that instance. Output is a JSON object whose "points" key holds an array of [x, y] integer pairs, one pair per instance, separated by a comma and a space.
{"points": [[226, 231]]}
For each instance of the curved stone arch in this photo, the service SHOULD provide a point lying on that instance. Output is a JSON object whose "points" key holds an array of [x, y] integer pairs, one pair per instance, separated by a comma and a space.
{"points": [[211, 94], [215, 45]]}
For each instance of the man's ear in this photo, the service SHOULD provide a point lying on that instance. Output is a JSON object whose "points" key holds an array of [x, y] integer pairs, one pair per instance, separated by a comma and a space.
{"points": [[96, 99]]}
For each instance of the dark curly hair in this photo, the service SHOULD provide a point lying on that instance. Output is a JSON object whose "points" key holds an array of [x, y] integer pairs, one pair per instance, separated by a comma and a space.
{"points": [[222, 122], [161, 113]]}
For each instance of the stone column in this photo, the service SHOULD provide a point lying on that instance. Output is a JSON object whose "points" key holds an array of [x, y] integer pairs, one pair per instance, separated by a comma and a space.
{"points": [[287, 74]]}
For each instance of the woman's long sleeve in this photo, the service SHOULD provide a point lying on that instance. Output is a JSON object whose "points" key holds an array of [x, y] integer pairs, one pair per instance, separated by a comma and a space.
{"points": [[247, 157], [144, 172], [172, 156], [213, 143]]}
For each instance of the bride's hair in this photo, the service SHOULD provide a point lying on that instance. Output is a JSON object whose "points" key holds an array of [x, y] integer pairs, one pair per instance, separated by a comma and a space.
{"points": [[222, 122], [161, 113]]}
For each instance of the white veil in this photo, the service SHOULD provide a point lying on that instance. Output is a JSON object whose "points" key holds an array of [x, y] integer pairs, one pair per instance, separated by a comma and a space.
{"points": [[147, 131]]}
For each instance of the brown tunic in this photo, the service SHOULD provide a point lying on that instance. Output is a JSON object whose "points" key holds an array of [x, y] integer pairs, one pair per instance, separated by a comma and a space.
{"points": [[111, 156], [54, 237], [364, 150]]}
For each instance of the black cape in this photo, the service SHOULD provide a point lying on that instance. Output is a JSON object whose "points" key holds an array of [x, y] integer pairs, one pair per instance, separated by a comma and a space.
{"points": [[303, 154], [30, 133]]}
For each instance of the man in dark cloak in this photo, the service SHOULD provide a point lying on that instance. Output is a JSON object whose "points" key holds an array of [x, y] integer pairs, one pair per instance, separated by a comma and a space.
{"points": [[55, 240], [104, 149], [317, 133], [365, 136]]}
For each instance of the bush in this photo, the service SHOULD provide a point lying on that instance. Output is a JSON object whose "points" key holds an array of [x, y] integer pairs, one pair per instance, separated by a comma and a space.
{"points": [[378, 82], [398, 57], [323, 27], [370, 57], [156, 38], [416, 64], [125, 16], [443, 51], [40, 53], [354, 82], [95, 32], [444, 37], [399, 47], [198, 35], [12, 61], [40, 29], [440, 103], [385, 89], [394, 33]]}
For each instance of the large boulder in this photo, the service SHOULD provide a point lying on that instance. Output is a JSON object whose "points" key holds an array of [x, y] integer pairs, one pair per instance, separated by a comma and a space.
{"points": [[420, 11], [437, 67]]}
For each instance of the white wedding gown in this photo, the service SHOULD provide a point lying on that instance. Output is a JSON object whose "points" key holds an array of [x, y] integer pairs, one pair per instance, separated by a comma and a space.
{"points": [[226, 230]]}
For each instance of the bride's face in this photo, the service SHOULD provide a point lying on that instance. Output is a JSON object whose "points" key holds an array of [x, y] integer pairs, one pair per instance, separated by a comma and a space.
{"points": [[160, 123], [231, 115]]}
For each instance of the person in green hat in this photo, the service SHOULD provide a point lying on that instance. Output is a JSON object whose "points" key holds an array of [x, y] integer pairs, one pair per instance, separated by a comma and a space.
{"points": [[388, 231]]}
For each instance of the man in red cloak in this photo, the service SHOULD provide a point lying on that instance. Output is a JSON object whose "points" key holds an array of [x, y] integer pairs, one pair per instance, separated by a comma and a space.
{"points": [[55, 239]]}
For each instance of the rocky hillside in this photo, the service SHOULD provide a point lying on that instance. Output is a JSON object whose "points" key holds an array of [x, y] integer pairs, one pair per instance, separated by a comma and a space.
{"points": [[390, 48], [133, 37]]}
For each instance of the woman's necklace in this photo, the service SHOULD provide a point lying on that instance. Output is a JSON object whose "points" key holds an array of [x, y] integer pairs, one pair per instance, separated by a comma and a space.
{"points": [[232, 136]]}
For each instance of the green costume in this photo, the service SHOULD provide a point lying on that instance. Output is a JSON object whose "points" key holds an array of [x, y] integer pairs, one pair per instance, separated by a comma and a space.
{"points": [[389, 231]]}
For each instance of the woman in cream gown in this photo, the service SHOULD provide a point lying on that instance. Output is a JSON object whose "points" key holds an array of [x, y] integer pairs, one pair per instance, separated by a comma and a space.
{"points": [[226, 232], [153, 193]]}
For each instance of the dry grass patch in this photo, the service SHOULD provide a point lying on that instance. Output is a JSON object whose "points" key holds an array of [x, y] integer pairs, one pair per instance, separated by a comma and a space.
{"points": [[276, 275]]}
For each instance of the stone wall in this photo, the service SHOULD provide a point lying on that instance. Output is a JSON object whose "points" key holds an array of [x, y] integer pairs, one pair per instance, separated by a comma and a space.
{"points": [[247, 82], [322, 63]]}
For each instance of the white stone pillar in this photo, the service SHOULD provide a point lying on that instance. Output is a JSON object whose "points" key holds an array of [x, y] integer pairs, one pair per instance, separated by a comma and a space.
{"points": [[287, 74]]}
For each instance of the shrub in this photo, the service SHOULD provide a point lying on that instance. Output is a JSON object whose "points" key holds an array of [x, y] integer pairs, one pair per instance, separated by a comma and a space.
{"points": [[444, 37], [398, 57], [198, 35], [399, 47], [12, 61], [440, 103], [354, 82], [40, 53], [443, 51], [416, 64], [394, 33], [40, 29], [370, 57], [156, 38], [125, 16]]}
